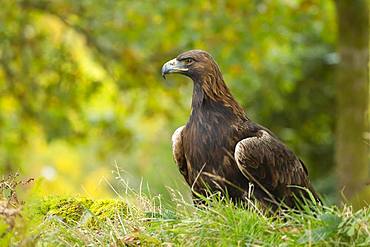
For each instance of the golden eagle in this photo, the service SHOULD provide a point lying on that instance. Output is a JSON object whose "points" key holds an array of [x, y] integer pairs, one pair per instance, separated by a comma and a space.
{"points": [[221, 150]]}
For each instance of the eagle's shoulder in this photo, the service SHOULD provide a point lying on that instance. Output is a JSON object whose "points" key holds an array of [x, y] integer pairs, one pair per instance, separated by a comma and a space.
{"points": [[177, 148], [177, 135]]}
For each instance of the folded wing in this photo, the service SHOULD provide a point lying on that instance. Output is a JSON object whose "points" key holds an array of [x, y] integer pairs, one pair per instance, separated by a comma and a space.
{"points": [[273, 168]]}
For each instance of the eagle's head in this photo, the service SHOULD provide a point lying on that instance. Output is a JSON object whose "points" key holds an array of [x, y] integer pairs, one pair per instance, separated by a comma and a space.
{"points": [[194, 64], [206, 75]]}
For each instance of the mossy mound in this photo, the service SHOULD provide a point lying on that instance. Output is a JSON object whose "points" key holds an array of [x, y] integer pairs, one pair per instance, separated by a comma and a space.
{"points": [[82, 211]]}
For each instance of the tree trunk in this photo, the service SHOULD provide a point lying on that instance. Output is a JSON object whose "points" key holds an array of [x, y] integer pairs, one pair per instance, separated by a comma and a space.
{"points": [[352, 93]]}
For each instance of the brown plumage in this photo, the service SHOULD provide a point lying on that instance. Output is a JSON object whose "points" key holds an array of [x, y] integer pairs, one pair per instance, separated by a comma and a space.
{"points": [[221, 150]]}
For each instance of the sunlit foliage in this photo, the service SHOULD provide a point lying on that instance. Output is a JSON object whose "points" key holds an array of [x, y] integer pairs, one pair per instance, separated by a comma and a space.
{"points": [[81, 89]]}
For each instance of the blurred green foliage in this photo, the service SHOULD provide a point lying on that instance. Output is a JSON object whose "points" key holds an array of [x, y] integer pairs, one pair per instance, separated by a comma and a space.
{"points": [[81, 90]]}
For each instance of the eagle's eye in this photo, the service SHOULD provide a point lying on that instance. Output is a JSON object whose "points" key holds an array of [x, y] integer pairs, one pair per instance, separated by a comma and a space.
{"points": [[188, 61]]}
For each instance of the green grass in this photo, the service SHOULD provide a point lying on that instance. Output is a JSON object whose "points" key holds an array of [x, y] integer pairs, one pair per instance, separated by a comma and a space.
{"points": [[136, 219]]}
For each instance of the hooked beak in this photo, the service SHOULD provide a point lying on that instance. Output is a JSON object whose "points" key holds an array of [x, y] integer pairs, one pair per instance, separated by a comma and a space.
{"points": [[173, 66]]}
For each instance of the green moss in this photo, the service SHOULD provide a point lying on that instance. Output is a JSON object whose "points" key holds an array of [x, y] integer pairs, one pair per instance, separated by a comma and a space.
{"points": [[82, 210], [70, 210], [102, 210]]}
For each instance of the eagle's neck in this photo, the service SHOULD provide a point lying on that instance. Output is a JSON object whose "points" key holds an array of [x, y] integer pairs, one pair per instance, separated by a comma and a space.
{"points": [[212, 89], [198, 96]]}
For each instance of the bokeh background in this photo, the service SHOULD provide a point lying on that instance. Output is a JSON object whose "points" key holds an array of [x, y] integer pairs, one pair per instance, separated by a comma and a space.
{"points": [[82, 95]]}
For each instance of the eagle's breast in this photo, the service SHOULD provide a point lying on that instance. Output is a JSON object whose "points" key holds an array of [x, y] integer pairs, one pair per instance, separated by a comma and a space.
{"points": [[209, 141]]}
